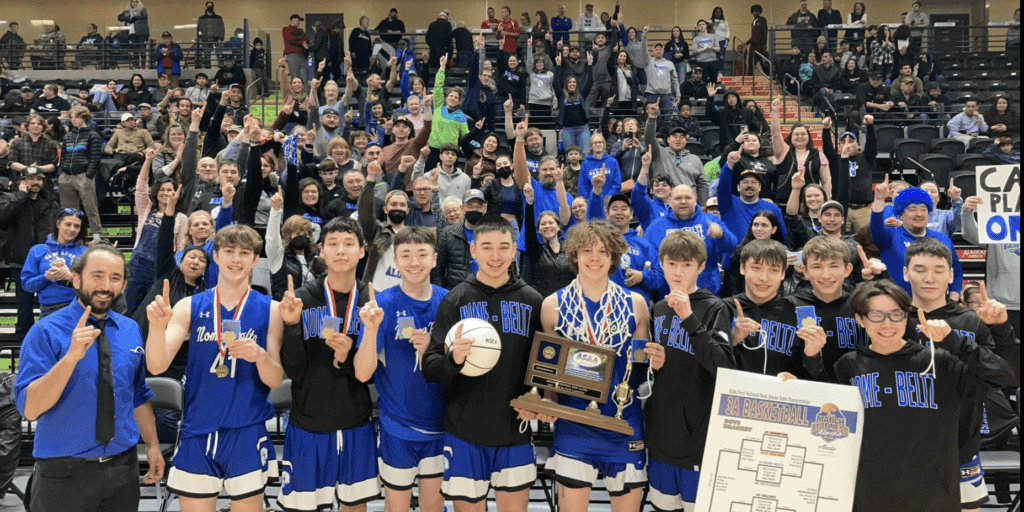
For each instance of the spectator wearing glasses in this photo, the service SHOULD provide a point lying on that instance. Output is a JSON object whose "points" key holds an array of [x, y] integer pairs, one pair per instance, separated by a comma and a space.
{"points": [[83, 150], [47, 270], [24, 211]]}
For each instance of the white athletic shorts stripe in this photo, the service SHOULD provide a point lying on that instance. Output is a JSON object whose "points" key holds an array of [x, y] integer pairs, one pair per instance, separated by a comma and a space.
{"points": [[666, 502], [404, 478], [585, 473], [240, 486]]}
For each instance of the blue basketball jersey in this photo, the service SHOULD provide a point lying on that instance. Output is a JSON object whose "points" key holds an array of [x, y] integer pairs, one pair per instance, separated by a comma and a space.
{"points": [[410, 407], [574, 439], [235, 401]]}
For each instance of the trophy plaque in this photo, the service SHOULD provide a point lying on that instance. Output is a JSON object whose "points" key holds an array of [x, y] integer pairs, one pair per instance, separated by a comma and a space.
{"points": [[576, 369]]}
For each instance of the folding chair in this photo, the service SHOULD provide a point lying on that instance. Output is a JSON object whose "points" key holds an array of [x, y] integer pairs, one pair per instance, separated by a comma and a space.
{"points": [[167, 394]]}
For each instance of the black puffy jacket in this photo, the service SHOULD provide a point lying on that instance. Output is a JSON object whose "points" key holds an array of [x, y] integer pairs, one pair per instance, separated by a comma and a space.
{"points": [[452, 257], [82, 151], [28, 221]]}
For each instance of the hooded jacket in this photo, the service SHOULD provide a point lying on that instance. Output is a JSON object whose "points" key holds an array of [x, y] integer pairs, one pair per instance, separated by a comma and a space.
{"points": [[33, 278], [997, 339], [591, 167], [892, 243], [836, 317], [135, 140], [28, 222], [478, 407], [83, 150], [908, 456], [698, 224], [676, 423], [776, 341], [324, 398], [682, 168]]}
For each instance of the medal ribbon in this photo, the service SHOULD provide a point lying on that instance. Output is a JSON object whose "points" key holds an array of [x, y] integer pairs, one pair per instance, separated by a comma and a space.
{"points": [[216, 318], [332, 306], [591, 334]]}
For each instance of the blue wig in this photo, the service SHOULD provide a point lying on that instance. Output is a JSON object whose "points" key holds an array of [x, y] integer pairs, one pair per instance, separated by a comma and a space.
{"points": [[909, 196]]}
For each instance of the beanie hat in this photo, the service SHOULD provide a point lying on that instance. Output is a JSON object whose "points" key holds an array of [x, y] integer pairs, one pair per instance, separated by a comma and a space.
{"points": [[911, 196]]}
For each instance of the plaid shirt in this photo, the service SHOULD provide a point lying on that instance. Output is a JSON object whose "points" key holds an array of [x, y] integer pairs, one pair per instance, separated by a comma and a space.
{"points": [[40, 152]]}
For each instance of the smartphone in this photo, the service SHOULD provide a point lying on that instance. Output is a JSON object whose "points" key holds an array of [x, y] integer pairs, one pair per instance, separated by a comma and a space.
{"points": [[744, 129], [630, 135]]}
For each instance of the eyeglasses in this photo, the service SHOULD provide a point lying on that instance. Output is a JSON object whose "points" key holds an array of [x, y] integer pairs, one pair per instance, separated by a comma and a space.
{"points": [[878, 317], [421, 190], [72, 211], [973, 303]]}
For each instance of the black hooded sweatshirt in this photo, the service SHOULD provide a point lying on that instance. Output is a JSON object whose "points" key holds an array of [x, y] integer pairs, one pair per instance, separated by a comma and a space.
{"points": [[783, 348], [676, 415], [999, 339], [324, 398], [836, 317], [478, 407], [908, 456]]}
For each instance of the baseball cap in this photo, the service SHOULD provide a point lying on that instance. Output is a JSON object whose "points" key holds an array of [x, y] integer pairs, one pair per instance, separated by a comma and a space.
{"points": [[126, 116], [678, 129], [32, 170], [752, 172], [297, 17], [329, 112], [443, 13], [833, 204], [712, 201], [473, 193], [166, 34], [848, 134], [589, 6], [146, 105], [235, 128], [26, 88], [620, 197], [876, 74]]}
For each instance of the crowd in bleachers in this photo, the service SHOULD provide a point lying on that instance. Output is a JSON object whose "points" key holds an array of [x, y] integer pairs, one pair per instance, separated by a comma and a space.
{"points": [[547, 124]]}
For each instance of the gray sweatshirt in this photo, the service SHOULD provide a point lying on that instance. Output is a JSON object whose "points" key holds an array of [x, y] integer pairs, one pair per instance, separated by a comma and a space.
{"points": [[661, 77], [542, 85], [682, 168], [1002, 265], [637, 51]]}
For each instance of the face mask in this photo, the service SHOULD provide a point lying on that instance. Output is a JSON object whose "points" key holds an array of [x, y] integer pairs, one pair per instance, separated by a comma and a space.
{"points": [[473, 217], [504, 172], [397, 216], [299, 243]]}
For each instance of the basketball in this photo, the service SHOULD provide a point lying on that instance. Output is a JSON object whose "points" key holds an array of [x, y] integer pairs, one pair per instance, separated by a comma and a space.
{"points": [[486, 345]]}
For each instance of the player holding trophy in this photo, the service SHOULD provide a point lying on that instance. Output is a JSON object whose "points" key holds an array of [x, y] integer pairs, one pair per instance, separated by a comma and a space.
{"points": [[594, 310]]}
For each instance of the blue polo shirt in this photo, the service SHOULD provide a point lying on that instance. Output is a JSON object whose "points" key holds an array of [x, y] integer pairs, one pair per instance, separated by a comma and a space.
{"points": [[68, 429]]}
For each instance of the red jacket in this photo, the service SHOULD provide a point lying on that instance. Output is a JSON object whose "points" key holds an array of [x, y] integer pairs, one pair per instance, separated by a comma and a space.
{"points": [[293, 39]]}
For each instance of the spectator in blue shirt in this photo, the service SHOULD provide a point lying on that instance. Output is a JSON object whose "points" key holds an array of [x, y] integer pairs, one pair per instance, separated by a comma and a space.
{"points": [[946, 222], [82, 378], [968, 124], [912, 207], [738, 211], [47, 269], [560, 27]]}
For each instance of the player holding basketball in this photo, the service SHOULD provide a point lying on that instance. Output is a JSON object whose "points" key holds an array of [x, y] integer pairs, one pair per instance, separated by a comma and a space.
{"points": [[484, 446], [396, 329], [330, 446], [592, 309], [234, 336], [691, 343]]}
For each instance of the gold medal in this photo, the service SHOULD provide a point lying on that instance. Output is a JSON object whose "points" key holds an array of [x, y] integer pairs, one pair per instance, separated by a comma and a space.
{"points": [[222, 371], [327, 332], [407, 332], [228, 336], [808, 322]]}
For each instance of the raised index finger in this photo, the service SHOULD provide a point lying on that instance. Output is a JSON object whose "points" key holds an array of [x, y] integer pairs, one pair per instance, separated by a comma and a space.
{"points": [[85, 317], [458, 331], [373, 296], [291, 285], [167, 289], [739, 309], [923, 321], [984, 292], [863, 257]]}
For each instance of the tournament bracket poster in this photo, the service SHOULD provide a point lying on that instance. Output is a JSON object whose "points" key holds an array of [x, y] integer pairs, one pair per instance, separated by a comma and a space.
{"points": [[780, 446]]}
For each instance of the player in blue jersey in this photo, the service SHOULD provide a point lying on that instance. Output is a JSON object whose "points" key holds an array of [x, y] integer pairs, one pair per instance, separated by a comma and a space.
{"points": [[485, 445], [397, 331], [593, 309], [234, 336], [330, 448]]}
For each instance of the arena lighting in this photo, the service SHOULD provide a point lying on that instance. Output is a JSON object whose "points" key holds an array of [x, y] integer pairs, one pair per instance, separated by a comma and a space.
{"points": [[117, 28], [182, 27], [42, 23]]}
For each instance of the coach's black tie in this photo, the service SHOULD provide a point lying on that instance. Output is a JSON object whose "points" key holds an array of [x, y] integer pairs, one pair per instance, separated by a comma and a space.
{"points": [[104, 388]]}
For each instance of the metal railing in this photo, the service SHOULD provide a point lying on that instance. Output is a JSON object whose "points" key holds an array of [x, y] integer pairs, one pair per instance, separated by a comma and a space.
{"points": [[799, 89]]}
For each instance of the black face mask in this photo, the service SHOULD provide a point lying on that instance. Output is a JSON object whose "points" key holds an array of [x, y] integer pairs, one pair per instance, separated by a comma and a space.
{"points": [[504, 172], [397, 216], [473, 216], [299, 243]]}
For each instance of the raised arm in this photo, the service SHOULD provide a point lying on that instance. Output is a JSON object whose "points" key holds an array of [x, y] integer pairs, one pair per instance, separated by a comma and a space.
{"points": [[519, 169], [779, 147]]}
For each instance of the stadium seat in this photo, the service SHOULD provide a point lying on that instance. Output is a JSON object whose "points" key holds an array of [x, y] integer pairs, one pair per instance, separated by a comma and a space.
{"points": [[695, 147], [923, 132], [948, 147], [978, 145], [965, 181], [907, 148], [969, 161], [710, 137], [887, 135], [939, 166]]}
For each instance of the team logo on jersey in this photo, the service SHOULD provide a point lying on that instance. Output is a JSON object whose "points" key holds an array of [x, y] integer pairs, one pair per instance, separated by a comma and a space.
{"points": [[204, 314], [830, 423]]}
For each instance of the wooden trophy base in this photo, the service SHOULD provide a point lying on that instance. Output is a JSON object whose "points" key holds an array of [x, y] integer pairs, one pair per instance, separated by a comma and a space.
{"points": [[590, 416]]}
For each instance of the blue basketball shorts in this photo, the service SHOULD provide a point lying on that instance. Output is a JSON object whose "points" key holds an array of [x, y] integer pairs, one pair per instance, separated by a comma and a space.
{"points": [[318, 467], [471, 470], [239, 460]]}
